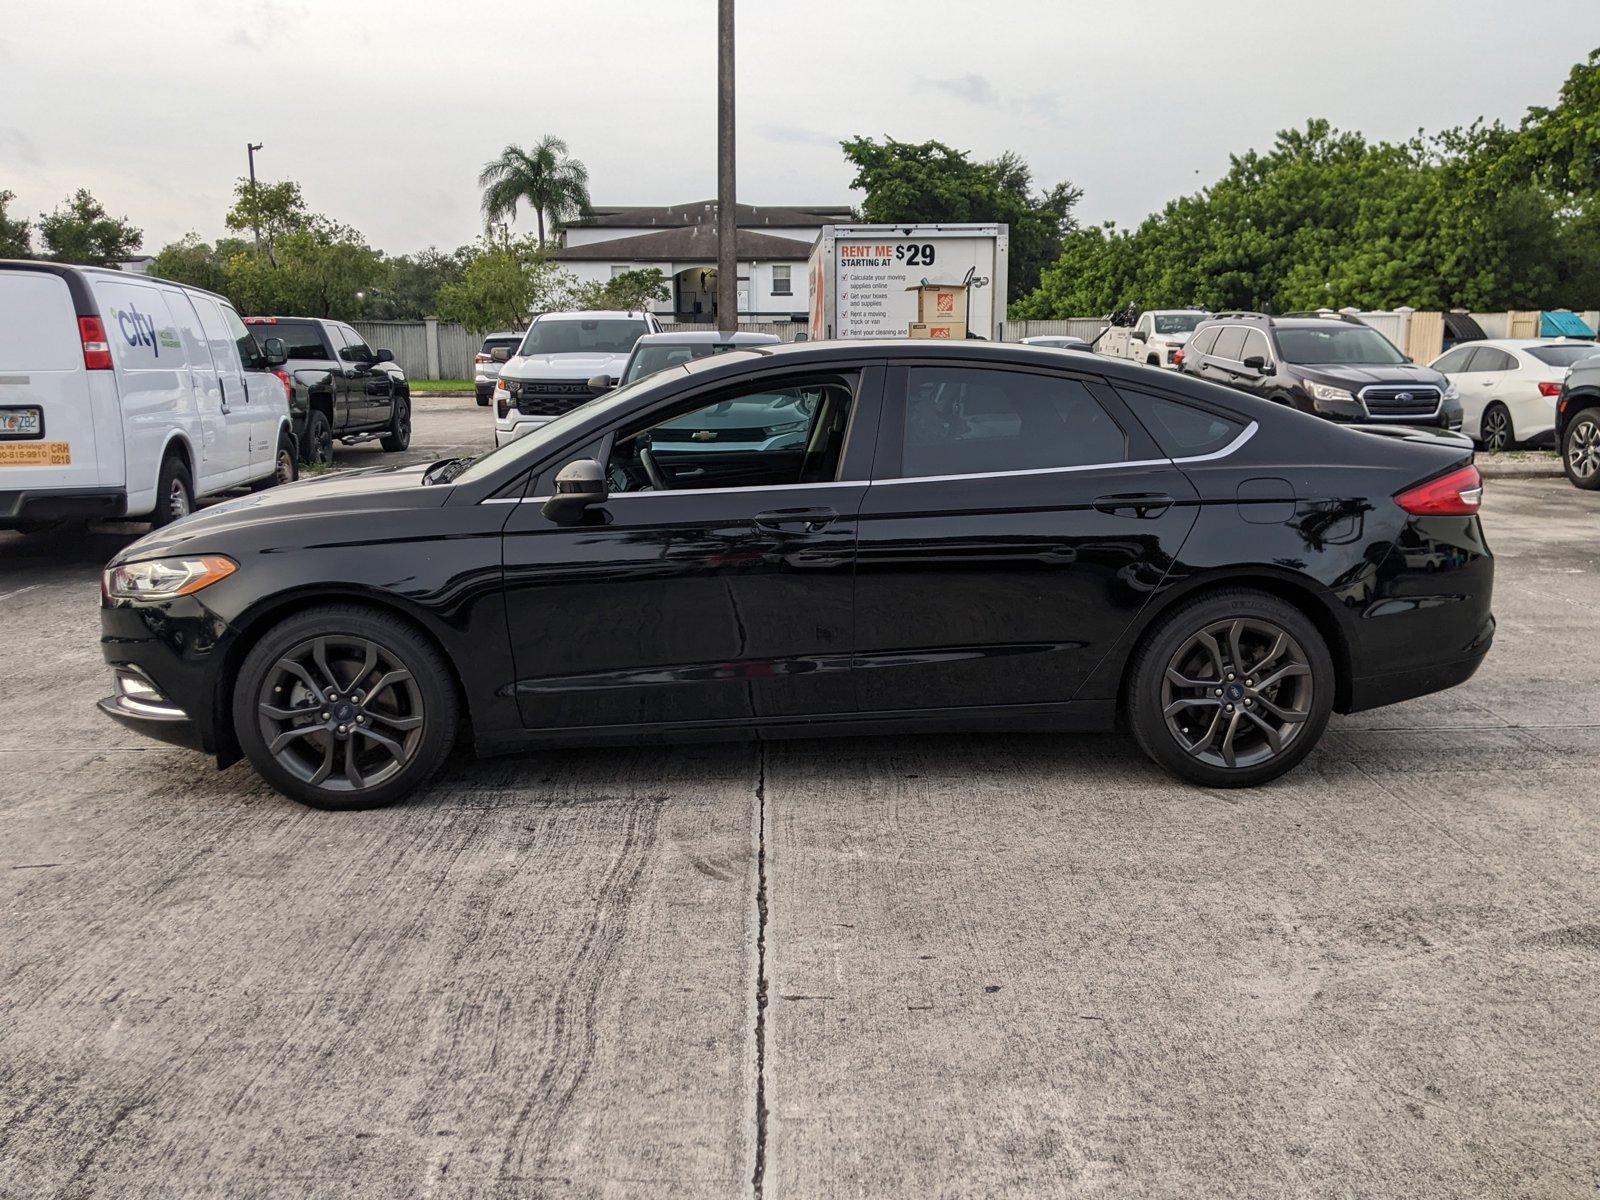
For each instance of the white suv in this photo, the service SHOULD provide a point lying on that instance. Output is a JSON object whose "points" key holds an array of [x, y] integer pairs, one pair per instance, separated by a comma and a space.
{"points": [[551, 371], [126, 396]]}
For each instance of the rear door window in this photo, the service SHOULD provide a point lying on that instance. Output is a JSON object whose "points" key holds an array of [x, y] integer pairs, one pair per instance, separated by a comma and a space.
{"points": [[1230, 342], [967, 421]]}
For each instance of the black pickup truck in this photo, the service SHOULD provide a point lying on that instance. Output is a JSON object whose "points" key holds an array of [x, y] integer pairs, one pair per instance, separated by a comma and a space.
{"points": [[340, 388]]}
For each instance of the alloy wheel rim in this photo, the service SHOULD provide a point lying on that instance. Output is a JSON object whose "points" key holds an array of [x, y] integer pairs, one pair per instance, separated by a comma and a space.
{"points": [[285, 467], [403, 425], [341, 713], [1237, 693], [1583, 449], [178, 500], [1495, 433], [322, 451]]}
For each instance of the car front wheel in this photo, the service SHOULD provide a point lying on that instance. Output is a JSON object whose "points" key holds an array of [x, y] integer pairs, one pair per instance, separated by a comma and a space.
{"points": [[1231, 689], [343, 707], [1580, 450]]}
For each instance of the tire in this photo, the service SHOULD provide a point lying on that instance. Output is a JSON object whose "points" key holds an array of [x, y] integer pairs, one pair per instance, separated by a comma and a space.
{"points": [[1580, 450], [399, 435], [398, 734], [483, 399], [317, 449], [1496, 430], [1174, 649], [285, 467], [174, 492]]}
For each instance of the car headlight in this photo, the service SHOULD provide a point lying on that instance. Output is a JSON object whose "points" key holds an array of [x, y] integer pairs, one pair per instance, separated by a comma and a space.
{"points": [[166, 578], [1451, 392], [786, 427], [1329, 395]]}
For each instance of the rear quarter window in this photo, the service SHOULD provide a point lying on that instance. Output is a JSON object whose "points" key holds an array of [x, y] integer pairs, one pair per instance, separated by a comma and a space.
{"points": [[1181, 430], [38, 324]]}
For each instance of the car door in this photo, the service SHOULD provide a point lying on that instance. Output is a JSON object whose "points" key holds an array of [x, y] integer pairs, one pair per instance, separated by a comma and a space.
{"points": [[247, 410], [1017, 522], [706, 605], [1222, 364], [219, 393], [371, 388], [269, 401]]}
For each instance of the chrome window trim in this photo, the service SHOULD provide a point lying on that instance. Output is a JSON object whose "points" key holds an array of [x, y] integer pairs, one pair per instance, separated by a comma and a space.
{"points": [[1244, 436]]}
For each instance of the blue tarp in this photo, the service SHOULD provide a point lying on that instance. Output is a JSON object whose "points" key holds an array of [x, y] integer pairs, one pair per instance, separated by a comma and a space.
{"points": [[1563, 324]]}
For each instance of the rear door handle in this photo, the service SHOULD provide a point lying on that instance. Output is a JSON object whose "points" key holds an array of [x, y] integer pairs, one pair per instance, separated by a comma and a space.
{"points": [[1134, 504], [793, 520]]}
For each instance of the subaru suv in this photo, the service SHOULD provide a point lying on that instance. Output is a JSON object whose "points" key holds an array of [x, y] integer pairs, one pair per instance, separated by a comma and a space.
{"points": [[550, 373], [1329, 364]]}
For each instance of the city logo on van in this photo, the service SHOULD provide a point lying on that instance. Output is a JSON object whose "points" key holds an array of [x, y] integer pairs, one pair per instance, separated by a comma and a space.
{"points": [[140, 330]]}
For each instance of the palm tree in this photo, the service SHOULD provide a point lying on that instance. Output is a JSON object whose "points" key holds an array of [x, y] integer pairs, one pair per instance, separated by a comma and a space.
{"points": [[543, 176]]}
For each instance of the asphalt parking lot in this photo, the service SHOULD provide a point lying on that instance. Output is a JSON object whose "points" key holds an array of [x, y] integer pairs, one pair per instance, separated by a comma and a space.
{"points": [[939, 966]]}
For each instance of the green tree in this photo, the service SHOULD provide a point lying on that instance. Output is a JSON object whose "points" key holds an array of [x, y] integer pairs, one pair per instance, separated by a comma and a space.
{"points": [[929, 181], [16, 235], [316, 271], [628, 291], [276, 209], [411, 289], [504, 284], [201, 264], [545, 177], [81, 231]]}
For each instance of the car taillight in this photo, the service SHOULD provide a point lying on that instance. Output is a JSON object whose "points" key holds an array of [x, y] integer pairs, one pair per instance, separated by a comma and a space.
{"points": [[1458, 494], [96, 350], [480, 359], [288, 386], [1549, 389], [1177, 358]]}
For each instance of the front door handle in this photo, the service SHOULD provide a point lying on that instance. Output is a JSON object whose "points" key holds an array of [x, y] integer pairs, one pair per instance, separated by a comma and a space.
{"points": [[1134, 504], [791, 520]]}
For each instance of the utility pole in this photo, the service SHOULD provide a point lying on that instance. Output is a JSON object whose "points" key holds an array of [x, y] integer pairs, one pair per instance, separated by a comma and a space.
{"points": [[727, 205], [250, 148]]}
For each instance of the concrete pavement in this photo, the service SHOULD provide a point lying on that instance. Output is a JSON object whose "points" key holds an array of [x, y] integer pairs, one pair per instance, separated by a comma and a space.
{"points": [[954, 966]]}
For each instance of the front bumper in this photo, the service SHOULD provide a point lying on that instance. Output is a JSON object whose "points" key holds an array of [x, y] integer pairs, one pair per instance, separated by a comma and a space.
{"points": [[171, 726], [509, 429], [164, 661]]}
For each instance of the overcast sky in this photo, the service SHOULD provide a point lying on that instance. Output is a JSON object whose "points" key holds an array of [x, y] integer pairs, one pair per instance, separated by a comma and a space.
{"points": [[384, 110]]}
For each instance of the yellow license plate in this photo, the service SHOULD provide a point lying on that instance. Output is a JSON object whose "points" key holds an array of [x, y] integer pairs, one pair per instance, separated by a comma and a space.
{"points": [[35, 454]]}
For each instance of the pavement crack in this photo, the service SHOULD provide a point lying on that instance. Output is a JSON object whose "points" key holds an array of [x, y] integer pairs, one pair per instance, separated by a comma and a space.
{"points": [[758, 1175]]}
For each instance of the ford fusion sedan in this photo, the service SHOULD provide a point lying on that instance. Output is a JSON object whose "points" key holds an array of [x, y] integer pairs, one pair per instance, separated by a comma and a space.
{"points": [[550, 372], [971, 536]]}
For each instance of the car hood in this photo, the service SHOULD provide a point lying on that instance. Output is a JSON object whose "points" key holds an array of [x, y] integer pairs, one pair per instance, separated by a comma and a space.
{"points": [[563, 366], [1351, 376], [1171, 339], [373, 488]]}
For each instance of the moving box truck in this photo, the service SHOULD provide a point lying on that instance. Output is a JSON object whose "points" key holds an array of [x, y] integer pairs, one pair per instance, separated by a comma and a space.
{"points": [[895, 281]]}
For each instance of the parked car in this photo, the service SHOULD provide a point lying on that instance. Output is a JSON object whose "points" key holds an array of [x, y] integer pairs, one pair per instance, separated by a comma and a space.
{"points": [[549, 374], [657, 351], [1509, 387], [1058, 341], [1577, 431], [1328, 364], [128, 396], [968, 535], [1156, 339], [486, 367], [340, 388]]}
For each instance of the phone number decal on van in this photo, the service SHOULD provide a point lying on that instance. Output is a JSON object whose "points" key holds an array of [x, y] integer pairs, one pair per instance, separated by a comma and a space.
{"points": [[36, 454]]}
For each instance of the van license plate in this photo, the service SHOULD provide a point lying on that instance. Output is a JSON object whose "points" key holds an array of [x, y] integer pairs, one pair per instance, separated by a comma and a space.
{"points": [[21, 422], [35, 454]]}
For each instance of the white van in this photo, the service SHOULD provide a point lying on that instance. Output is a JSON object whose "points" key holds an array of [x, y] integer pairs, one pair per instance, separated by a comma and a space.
{"points": [[126, 396]]}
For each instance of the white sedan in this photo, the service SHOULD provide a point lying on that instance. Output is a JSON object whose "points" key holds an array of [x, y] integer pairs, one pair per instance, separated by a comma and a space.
{"points": [[1509, 387]]}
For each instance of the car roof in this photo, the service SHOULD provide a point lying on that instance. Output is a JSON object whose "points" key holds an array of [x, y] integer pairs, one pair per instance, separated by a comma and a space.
{"points": [[598, 314], [504, 333], [1529, 343], [697, 337]]}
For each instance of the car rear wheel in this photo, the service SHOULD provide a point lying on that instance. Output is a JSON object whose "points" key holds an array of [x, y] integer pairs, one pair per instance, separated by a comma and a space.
{"points": [[1497, 431], [1580, 450], [318, 450], [174, 492], [399, 435], [344, 707], [1231, 690]]}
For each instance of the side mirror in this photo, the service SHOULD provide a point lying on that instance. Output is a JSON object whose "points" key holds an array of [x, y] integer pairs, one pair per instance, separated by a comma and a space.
{"points": [[500, 354], [1256, 363], [275, 352], [1139, 335], [384, 356], [580, 485], [600, 384]]}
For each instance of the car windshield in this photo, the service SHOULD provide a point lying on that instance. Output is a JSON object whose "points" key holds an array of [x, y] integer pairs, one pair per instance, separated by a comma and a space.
{"points": [[650, 359], [1178, 322], [530, 445], [600, 335], [1563, 356], [1338, 344]]}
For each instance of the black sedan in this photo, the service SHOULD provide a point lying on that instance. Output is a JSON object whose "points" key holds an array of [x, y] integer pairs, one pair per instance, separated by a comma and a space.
{"points": [[971, 536]]}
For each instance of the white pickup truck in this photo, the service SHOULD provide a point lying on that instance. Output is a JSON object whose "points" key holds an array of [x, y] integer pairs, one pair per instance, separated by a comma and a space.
{"points": [[1155, 338]]}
